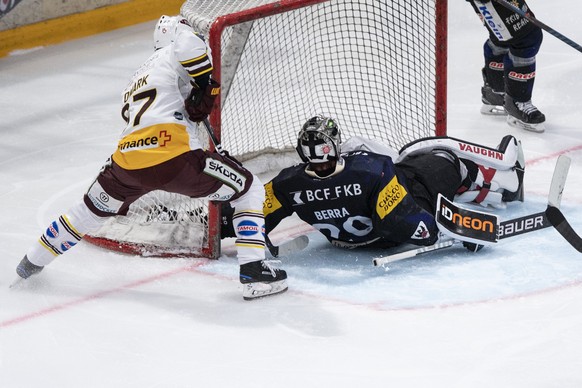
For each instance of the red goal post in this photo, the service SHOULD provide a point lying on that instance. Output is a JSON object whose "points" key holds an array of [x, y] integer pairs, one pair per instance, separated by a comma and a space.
{"points": [[378, 67]]}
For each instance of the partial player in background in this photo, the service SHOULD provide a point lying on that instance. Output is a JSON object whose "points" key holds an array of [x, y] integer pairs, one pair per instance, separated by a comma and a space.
{"points": [[362, 194], [159, 149], [510, 64]]}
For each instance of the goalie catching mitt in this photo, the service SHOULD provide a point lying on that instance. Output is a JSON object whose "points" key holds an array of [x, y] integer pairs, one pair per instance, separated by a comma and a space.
{"points": [[200, 101]]}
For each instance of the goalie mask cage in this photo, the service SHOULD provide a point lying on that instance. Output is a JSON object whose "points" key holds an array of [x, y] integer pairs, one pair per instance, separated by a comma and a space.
{"points": [[377, 66]]}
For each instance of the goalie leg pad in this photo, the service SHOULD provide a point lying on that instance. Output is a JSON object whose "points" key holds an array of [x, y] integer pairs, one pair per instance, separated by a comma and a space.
{"points": [[502, 158], [495, 175]]}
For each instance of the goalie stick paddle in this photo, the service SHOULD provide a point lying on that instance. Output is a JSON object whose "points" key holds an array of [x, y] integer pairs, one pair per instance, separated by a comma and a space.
{"points": [[540, 220], [553, 212], [563, 227], [516, 226]]}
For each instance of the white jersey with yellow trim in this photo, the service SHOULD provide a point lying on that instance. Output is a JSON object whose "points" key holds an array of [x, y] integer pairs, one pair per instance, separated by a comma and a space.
{"points": [[158, 128]]}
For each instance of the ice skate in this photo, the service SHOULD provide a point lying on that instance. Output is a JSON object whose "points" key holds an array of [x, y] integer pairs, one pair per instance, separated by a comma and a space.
{"points": [[524, 115], [26, 269], [259, 279], [492, 101]]}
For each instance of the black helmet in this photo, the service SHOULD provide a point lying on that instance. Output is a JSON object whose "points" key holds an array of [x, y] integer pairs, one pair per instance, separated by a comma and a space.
{"points": [[319, 140]]}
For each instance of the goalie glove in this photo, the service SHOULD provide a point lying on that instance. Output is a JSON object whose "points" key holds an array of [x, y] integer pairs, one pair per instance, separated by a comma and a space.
{"points": [[200, 101]]}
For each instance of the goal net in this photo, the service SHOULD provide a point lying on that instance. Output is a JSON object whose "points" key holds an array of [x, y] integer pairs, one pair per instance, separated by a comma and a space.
{"points": [[378, 67]]}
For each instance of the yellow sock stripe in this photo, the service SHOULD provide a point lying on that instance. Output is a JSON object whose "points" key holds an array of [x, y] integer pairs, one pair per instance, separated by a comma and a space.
{"points": [[70, 228], [249, 245], [48, 247], [194, 74], [249, 213], [190, 62]]}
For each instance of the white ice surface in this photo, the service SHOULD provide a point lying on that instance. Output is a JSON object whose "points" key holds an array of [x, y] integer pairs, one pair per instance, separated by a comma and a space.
{"points": [[508, 316]]}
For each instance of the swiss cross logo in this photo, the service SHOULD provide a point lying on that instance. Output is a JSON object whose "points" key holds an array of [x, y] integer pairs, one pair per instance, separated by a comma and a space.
{"points": [[164, 138]]}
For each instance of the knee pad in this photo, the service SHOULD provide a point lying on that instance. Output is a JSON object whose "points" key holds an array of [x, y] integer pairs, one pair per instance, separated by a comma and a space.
{"points": [[235, 179]]}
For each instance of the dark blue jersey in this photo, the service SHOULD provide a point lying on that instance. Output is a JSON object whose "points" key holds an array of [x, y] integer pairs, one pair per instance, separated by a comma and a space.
{"points": [[504, 25], [367, 202]]}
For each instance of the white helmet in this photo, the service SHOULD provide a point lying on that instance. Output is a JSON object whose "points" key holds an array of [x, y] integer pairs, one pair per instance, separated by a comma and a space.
{"points": [[319, 140], [167, 28]]}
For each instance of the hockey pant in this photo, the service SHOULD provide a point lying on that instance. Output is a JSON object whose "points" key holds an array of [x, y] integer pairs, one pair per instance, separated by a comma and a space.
{"points": [[490, 176]]}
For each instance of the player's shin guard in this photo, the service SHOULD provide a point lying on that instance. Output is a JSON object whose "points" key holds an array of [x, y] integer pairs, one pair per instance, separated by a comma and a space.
{"points": [[259, 279], [63, 234], [493, 89], [249, 227], [520, 77]]}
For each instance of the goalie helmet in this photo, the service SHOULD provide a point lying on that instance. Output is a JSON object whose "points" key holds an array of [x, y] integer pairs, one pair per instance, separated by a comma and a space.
{"points": [[319, 140], [168, 28]]}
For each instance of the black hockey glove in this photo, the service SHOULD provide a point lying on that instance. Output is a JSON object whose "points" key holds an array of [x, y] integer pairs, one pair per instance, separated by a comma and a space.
{"points": [[200, 101]]}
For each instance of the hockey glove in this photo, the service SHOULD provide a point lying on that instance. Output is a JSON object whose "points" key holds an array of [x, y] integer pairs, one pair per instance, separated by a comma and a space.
{"points": [[200, 101]]}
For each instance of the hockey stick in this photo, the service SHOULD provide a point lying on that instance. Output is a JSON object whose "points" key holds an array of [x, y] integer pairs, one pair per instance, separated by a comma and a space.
{"points": [[556, 217], [507, 228], [407, 254], [538, 23], [516, 226], [296, 244], [563, 227]]}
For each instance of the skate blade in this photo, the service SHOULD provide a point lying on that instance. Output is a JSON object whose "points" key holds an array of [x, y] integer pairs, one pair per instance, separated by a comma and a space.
{"points": [[258, 290], [537, 128], [16, 283], [493, 110]]}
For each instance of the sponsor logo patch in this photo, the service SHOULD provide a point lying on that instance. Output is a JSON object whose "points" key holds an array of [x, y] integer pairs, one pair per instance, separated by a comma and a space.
{"points": [[53, 230], [247, 228], [225, 174], [389, 197], [271, 203], [421, 232], [66, 245], [521, 76], [488, 152]]}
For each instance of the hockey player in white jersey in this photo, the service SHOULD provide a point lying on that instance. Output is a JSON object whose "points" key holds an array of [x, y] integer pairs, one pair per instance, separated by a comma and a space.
{"points": [[510, 64], [159, 150]]}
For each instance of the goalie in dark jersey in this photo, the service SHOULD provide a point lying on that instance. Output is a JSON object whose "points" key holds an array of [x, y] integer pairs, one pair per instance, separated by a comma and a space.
{"points": [[357, 194]]}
